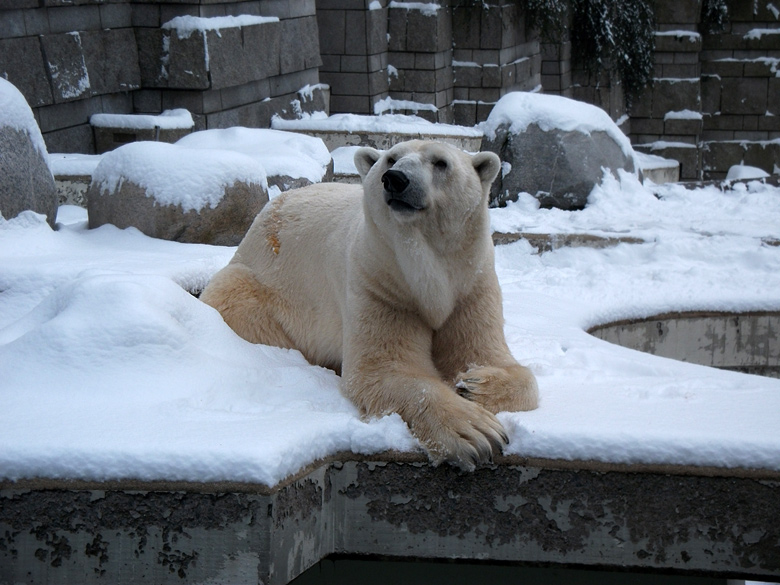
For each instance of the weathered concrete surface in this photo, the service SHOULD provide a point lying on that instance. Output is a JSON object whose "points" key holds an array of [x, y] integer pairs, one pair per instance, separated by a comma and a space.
{"points": [[707, 521], [747, 342]]}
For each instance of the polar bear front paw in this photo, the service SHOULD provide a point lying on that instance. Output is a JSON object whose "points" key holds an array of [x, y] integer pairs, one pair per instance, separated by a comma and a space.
{"points": [[462, 433], [498, 389]]}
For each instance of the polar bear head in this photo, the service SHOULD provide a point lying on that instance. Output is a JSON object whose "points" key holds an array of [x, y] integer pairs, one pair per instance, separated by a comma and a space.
{"points": [[425, 182]]}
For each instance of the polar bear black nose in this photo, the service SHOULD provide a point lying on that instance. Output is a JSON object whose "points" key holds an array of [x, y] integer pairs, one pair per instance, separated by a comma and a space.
{"points": [[395, 181]]}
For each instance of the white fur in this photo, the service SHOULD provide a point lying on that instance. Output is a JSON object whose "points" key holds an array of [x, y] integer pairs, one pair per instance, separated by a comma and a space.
{"points": [[406, 304]]}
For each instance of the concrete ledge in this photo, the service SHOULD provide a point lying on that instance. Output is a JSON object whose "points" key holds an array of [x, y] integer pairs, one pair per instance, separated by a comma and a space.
{"points": [[718, 522]]}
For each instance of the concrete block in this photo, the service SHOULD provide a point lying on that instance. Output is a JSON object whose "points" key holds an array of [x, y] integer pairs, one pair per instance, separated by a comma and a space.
{"points": [[67, 68], [351, 104], [710, 94], [677, 13], [744, 96], [65, 19], [467, 76], [491, 29], [240, 95], [396, 29], [678, 70], [466, 25], [377, 83], [189, 100], [356, 42], [718, 157], [262, 50], [675, 95], [287, 84], [299, 44], [36, 22], [145, 15], [119, 15], [152, 57], [187, 62], [78, 139], [111, 57], [22, 63], [464, 113], [682, 127], [491, 76], [764, 155], [147, 101], [376, 31], [67, 114], [227, 63], [12, 24]]}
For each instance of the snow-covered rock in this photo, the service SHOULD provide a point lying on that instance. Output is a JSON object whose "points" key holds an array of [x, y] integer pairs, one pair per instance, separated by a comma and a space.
{"points": [[290, 160], [554, 148], [26, 181], [177, 193]]}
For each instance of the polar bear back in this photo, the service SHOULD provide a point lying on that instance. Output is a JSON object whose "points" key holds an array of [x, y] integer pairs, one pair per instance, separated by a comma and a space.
{"points": [[298, 244]]}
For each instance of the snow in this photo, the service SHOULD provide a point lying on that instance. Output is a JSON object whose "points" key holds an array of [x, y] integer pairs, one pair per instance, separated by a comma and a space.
{"points": [[390, 105], [344, 160], [279, 153], [742, 172], [73, 164], [175, 175], [176, 119], [186, 25], [426, 8], [384, 124], [683, 115], [111, 369], [680, 34], [518, 110], [757, 33], [653, 161], [16, 114]]}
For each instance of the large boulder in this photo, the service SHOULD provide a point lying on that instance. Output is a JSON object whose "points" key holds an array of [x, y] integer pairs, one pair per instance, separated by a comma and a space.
{"points": [[290, 160], [26, 181], [554, 148], [176, 193]]}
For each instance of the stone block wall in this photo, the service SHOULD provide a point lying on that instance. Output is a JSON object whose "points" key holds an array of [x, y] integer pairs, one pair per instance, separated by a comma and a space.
{"points": [[74, 59], [420, 55], [493, 53], [741, 91], [353, 44]]}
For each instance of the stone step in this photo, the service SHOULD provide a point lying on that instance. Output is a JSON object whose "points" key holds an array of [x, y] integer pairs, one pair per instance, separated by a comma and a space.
{"points": [[380, 132]]}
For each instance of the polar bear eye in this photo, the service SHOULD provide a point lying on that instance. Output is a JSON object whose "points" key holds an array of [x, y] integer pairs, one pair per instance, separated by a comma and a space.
{"points": [[390, 161], [440, 164]]}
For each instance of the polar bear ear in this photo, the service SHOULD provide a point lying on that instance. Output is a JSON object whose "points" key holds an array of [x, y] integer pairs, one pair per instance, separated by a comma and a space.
{"points": [[365, 158], [487, 165]]}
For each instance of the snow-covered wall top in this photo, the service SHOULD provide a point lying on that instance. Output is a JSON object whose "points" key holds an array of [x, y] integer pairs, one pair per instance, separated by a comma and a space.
{"points": [[186, 25], [177, 119]]}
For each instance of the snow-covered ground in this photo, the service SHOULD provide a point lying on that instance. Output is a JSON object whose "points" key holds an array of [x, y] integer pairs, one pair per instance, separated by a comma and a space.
{"points": [[110, 369]]}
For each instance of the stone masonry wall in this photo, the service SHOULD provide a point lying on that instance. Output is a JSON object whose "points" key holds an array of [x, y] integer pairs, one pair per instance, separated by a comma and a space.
{"points": [[741, 91], [713, 102], [75, 59]]}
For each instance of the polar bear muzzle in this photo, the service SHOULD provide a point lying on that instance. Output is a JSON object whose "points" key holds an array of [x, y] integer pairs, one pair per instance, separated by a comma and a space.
{"points": [[400, 194]]}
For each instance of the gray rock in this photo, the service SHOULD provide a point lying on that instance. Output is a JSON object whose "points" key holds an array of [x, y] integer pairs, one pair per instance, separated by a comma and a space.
{"points": [[132, 187], [26, 181], [560, 168]]}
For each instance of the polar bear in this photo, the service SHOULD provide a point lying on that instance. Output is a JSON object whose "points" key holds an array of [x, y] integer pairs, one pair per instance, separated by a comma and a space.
{"points": [[393, 285]]}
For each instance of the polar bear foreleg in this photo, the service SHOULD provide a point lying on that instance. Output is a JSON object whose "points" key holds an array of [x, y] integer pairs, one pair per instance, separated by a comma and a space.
{"points": [[471, 350], [388, 369]]}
